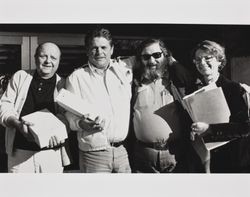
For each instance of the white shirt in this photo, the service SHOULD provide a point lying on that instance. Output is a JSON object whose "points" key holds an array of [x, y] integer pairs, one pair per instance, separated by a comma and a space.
{"points": [[110, 93], [149, 126]]}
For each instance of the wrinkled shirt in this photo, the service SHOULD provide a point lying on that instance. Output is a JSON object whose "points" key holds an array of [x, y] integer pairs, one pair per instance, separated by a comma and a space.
{"points": [[149, 126], [109, 92]]}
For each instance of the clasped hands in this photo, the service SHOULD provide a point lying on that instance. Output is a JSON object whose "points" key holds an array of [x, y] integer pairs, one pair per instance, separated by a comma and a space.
{"points": [[198, 128], [90, 125]]}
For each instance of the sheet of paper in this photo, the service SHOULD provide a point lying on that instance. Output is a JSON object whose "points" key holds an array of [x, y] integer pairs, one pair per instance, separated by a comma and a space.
{"points": [[75, 104], [213, 145], [200, 148], [208, 105]]}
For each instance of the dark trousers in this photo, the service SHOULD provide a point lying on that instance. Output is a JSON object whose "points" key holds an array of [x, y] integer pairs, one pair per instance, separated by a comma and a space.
{"points": [[149, 160]]}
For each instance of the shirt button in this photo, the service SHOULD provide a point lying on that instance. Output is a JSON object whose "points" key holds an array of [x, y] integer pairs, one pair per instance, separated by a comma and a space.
{"points": [[39, 89]]}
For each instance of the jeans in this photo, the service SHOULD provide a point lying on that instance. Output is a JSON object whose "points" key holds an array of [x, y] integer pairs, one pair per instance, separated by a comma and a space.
{"points": [[25, 161], [149, 160], [111, 160]]}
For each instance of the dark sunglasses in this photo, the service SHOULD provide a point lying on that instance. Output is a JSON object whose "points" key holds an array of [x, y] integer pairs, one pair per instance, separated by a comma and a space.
{"points": [[154, 55]]}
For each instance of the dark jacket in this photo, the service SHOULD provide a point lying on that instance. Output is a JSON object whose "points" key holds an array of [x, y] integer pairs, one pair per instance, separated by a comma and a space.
{"points": [[234, 156]]}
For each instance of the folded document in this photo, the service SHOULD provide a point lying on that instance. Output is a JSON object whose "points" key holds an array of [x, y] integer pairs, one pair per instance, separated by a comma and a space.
{"points": [[208, 105], [75, 104], [45, 126]]}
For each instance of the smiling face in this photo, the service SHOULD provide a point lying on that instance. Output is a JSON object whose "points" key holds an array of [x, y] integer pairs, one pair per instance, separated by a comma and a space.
{"points": [[153, 61], [47, 60], [99, 52], [207, 64]]}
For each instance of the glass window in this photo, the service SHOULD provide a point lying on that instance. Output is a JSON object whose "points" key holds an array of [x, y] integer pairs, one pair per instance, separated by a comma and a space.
{"points": [[72, 57], [10, 58]]}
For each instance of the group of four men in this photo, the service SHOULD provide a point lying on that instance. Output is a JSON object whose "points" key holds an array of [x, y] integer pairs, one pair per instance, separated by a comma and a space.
{"points": [[107, 144]]}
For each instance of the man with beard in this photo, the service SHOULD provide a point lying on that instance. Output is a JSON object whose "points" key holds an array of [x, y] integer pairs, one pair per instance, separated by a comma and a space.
{"points": [[158, 119]]}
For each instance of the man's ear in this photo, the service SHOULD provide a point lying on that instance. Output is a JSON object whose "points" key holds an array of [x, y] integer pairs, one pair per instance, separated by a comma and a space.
{"points": [[87, 52], [36, 59], [166, 60], [171, 60]]}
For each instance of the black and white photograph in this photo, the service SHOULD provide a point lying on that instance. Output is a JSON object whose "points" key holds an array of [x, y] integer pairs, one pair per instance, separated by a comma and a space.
{"points": [[125, 106]]}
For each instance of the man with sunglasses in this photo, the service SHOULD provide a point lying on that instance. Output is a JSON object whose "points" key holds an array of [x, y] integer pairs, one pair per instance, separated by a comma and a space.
{"points": [[158, 119]]}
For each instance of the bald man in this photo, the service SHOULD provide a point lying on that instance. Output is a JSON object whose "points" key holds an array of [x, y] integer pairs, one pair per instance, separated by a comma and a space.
{"points": [[26, 93]]}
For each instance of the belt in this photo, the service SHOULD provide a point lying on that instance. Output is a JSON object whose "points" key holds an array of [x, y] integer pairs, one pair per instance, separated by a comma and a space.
{"points": [[155, 145], [116, 144], [38, 149]]}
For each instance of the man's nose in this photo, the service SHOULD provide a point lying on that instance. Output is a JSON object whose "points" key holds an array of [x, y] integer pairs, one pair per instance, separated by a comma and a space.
{"points": [[48, 59], [202, 61], [151, 60], [98, 50]]}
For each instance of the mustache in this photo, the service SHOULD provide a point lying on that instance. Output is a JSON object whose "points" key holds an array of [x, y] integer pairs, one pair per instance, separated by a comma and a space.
{"points": [[148, 75]]}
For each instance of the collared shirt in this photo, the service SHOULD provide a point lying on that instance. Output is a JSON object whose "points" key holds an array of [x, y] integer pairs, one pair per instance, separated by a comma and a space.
{"points": [[149, 125], [110, 93], [40, 95], [12, 103], [153, 96]]}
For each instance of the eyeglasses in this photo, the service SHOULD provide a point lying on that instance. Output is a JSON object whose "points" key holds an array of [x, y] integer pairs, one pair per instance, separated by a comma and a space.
{"points": [[207, 59], [156, 55]]}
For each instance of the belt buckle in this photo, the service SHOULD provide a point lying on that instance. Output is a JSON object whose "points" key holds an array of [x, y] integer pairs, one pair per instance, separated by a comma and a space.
{"points": [[115, 144], [160, 145]]}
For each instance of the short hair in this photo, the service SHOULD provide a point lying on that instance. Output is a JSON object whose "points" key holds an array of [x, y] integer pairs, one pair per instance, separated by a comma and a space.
{"points": [[151, 41], [214, 48], [99, 32], [38, 49]]}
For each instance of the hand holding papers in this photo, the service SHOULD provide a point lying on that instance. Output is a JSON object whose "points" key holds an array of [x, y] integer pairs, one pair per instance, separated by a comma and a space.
{"points": [[44, 126], [90, 119], [210, 106], [92, 126], [76, 105]]}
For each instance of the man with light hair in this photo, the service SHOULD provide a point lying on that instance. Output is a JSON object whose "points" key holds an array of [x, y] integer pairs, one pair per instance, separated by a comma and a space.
{"points": [[28, 92]]}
